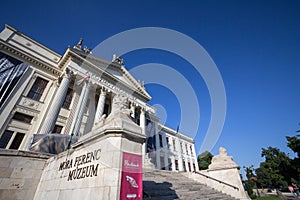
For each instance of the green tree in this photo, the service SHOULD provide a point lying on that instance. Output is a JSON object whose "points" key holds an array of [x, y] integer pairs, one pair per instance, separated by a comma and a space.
{"points": [[204, 160], [275, 171], [250, 182], [294, 144]]}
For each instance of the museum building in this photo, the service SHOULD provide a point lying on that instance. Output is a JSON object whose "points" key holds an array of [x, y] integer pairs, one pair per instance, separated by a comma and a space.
{"points": [[42, 93]]}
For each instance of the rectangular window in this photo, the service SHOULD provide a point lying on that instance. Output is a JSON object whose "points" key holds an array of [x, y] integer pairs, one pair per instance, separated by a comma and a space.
{"points": [[190, 169], [37, 89], [176, 165], [194, 167], [181, 147], [5, 138], [162, 163], [106, 109], [23, 117], [167, 138], [57, 129], [170, 164], [68, 99], [17, 141], [160, 141], [174, 144], [191, 150], [186, 148]]}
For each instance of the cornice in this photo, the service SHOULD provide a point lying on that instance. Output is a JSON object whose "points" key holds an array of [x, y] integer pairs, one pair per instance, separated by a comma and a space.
{"points": [[23, 56]]}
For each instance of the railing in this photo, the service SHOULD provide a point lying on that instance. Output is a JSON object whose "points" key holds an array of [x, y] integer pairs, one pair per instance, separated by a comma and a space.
{"points": [[222, 182]]}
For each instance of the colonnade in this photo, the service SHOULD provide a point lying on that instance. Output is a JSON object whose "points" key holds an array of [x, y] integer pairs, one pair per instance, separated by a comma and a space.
{"points": [[60, 95]]}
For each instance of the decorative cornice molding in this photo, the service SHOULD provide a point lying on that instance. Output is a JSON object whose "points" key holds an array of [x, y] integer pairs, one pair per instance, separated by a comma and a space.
{"points": [[22, 56]]}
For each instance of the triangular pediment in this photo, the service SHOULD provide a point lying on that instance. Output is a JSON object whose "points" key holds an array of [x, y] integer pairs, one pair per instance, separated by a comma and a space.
{"points": [[111, 70]]}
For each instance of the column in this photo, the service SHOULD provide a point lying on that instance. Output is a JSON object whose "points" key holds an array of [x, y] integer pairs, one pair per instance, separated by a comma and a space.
{"points": [[56, 104], [166, 150], [186, 164], [132, 108], [180, 157], [157, 151], [191, 159], [195, 158], [143, 126], [80, 108], [173, 164], [143, 121], [100, 107]]}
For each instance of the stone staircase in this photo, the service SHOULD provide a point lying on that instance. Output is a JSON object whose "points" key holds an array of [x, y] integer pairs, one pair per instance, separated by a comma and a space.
{"points": [[167, 185]]}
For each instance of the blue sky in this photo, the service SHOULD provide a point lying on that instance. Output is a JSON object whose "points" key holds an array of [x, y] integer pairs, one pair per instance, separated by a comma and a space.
{"points": [[255, 45]]}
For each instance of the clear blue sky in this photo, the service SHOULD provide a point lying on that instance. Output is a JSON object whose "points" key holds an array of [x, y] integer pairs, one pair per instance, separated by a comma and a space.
{"points": [[255, 45]]}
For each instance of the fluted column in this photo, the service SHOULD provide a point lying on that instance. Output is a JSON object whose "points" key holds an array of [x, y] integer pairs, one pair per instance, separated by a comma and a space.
{"points": [[195, 158], [143, 126], [143, 121], [56, 104], [157, 151], [100, 107], [180, 155], [166, 150], [132, 108], [84, 96]]}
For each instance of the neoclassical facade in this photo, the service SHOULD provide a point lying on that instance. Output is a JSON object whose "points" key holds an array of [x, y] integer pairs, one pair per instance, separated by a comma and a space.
{"points": [[42, 92]]}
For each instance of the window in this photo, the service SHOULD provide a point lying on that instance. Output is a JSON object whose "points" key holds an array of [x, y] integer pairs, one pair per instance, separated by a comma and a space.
{"points": [[5, 138], [181, 147], [176, 165], [68, 99], [160, 140], [16, 138], [183, 165], [170, 164], [23, 117], [186, 148], [57, 129], [106, 109], [37, 89], [162, 163], [167, 138], [189, 165], [174, 144], [191, 150], [17, 141]]}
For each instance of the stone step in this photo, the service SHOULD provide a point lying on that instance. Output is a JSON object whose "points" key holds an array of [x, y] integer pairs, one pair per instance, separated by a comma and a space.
{"points": [[165, 185]]}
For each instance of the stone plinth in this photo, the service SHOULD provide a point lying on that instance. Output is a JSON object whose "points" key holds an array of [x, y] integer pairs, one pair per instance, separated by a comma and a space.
{"points": [[92, 169]]}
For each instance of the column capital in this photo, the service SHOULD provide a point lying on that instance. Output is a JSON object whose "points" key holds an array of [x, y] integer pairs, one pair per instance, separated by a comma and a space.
{"points": [[104, 91], [67, 73]]}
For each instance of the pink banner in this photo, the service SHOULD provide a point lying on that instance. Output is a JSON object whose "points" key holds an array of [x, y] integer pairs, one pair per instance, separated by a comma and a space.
{"points": [[132, 177]]}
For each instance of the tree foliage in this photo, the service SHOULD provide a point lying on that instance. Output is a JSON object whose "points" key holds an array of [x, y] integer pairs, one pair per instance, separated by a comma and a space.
{"points": [[278, 170], [204, 160]]}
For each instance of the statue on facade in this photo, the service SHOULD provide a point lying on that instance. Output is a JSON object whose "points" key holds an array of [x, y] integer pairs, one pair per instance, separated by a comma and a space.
{"points": [[117, 59], [120, 104]]}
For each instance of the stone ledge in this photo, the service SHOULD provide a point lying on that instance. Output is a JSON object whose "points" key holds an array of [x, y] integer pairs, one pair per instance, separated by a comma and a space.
{"points": [[31, 154]]}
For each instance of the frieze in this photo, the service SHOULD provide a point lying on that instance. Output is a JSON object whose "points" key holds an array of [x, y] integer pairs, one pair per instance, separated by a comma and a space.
{"points": [[29, 103]]}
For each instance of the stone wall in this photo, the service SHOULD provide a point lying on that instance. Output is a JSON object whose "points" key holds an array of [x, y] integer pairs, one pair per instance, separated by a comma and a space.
{"points": [[223, 175], [20, 173]]}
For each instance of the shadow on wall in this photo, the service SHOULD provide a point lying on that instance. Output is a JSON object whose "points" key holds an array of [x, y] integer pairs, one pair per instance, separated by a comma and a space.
{"points": [[151, 189]]}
